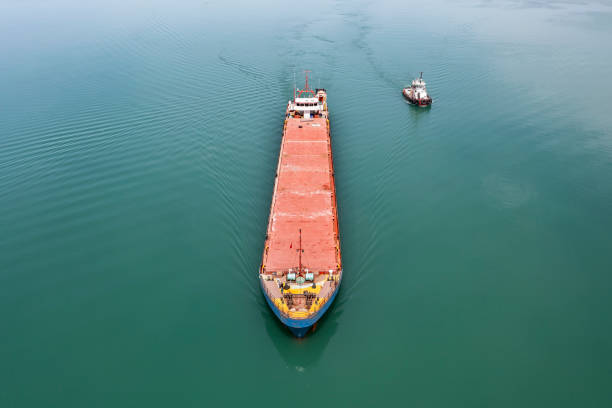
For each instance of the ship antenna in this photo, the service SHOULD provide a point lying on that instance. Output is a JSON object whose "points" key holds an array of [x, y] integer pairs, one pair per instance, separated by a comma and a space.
{"points": [[421, 75]]}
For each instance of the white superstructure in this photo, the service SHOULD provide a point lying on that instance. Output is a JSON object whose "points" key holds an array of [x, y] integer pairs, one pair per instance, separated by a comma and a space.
{"points": [[418, 89], [308, 107], [417, 93]]}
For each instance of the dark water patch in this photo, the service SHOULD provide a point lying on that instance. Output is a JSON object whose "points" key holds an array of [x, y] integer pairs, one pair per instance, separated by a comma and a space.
{"points": [[321, 38]]}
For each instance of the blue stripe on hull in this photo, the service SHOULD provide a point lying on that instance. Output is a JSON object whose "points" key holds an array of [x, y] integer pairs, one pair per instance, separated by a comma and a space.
{"points": [[299, 327]]}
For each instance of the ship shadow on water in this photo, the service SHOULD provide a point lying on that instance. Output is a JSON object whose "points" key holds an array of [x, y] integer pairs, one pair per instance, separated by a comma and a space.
{"points": [[415, 112], [300, 353]]}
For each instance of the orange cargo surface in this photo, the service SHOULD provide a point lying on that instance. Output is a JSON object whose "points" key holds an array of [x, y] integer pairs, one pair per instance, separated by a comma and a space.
{"points": [[304, 198]]}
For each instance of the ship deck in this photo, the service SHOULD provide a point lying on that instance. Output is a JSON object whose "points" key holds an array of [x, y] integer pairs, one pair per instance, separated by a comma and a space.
{"points": [[304, 198]]}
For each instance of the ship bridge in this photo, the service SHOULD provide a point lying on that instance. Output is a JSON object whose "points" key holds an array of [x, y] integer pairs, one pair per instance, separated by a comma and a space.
{"points": [[307, 107]]}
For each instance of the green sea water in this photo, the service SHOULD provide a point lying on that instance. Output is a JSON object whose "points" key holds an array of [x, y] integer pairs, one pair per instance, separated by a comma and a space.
{"points": [[138, 147]]}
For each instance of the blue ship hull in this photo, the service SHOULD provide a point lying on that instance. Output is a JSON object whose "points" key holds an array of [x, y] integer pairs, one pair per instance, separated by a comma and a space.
{"points": [[299, 327]]}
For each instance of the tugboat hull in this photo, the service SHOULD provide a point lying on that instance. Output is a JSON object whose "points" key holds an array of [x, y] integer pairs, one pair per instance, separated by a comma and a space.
{"points": [[423, 103]]}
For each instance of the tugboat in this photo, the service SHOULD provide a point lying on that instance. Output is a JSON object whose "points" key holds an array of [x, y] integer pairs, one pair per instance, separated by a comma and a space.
{"points": [[417, 94]]}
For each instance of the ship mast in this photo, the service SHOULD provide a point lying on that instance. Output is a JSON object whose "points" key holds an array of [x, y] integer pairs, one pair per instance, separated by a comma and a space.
{"points": [[305, 90], [300, 250], [306, 72]]}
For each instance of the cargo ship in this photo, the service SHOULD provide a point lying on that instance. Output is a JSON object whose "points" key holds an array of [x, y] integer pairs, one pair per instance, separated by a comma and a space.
{"points": [[417, 94], [301, 268]]}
